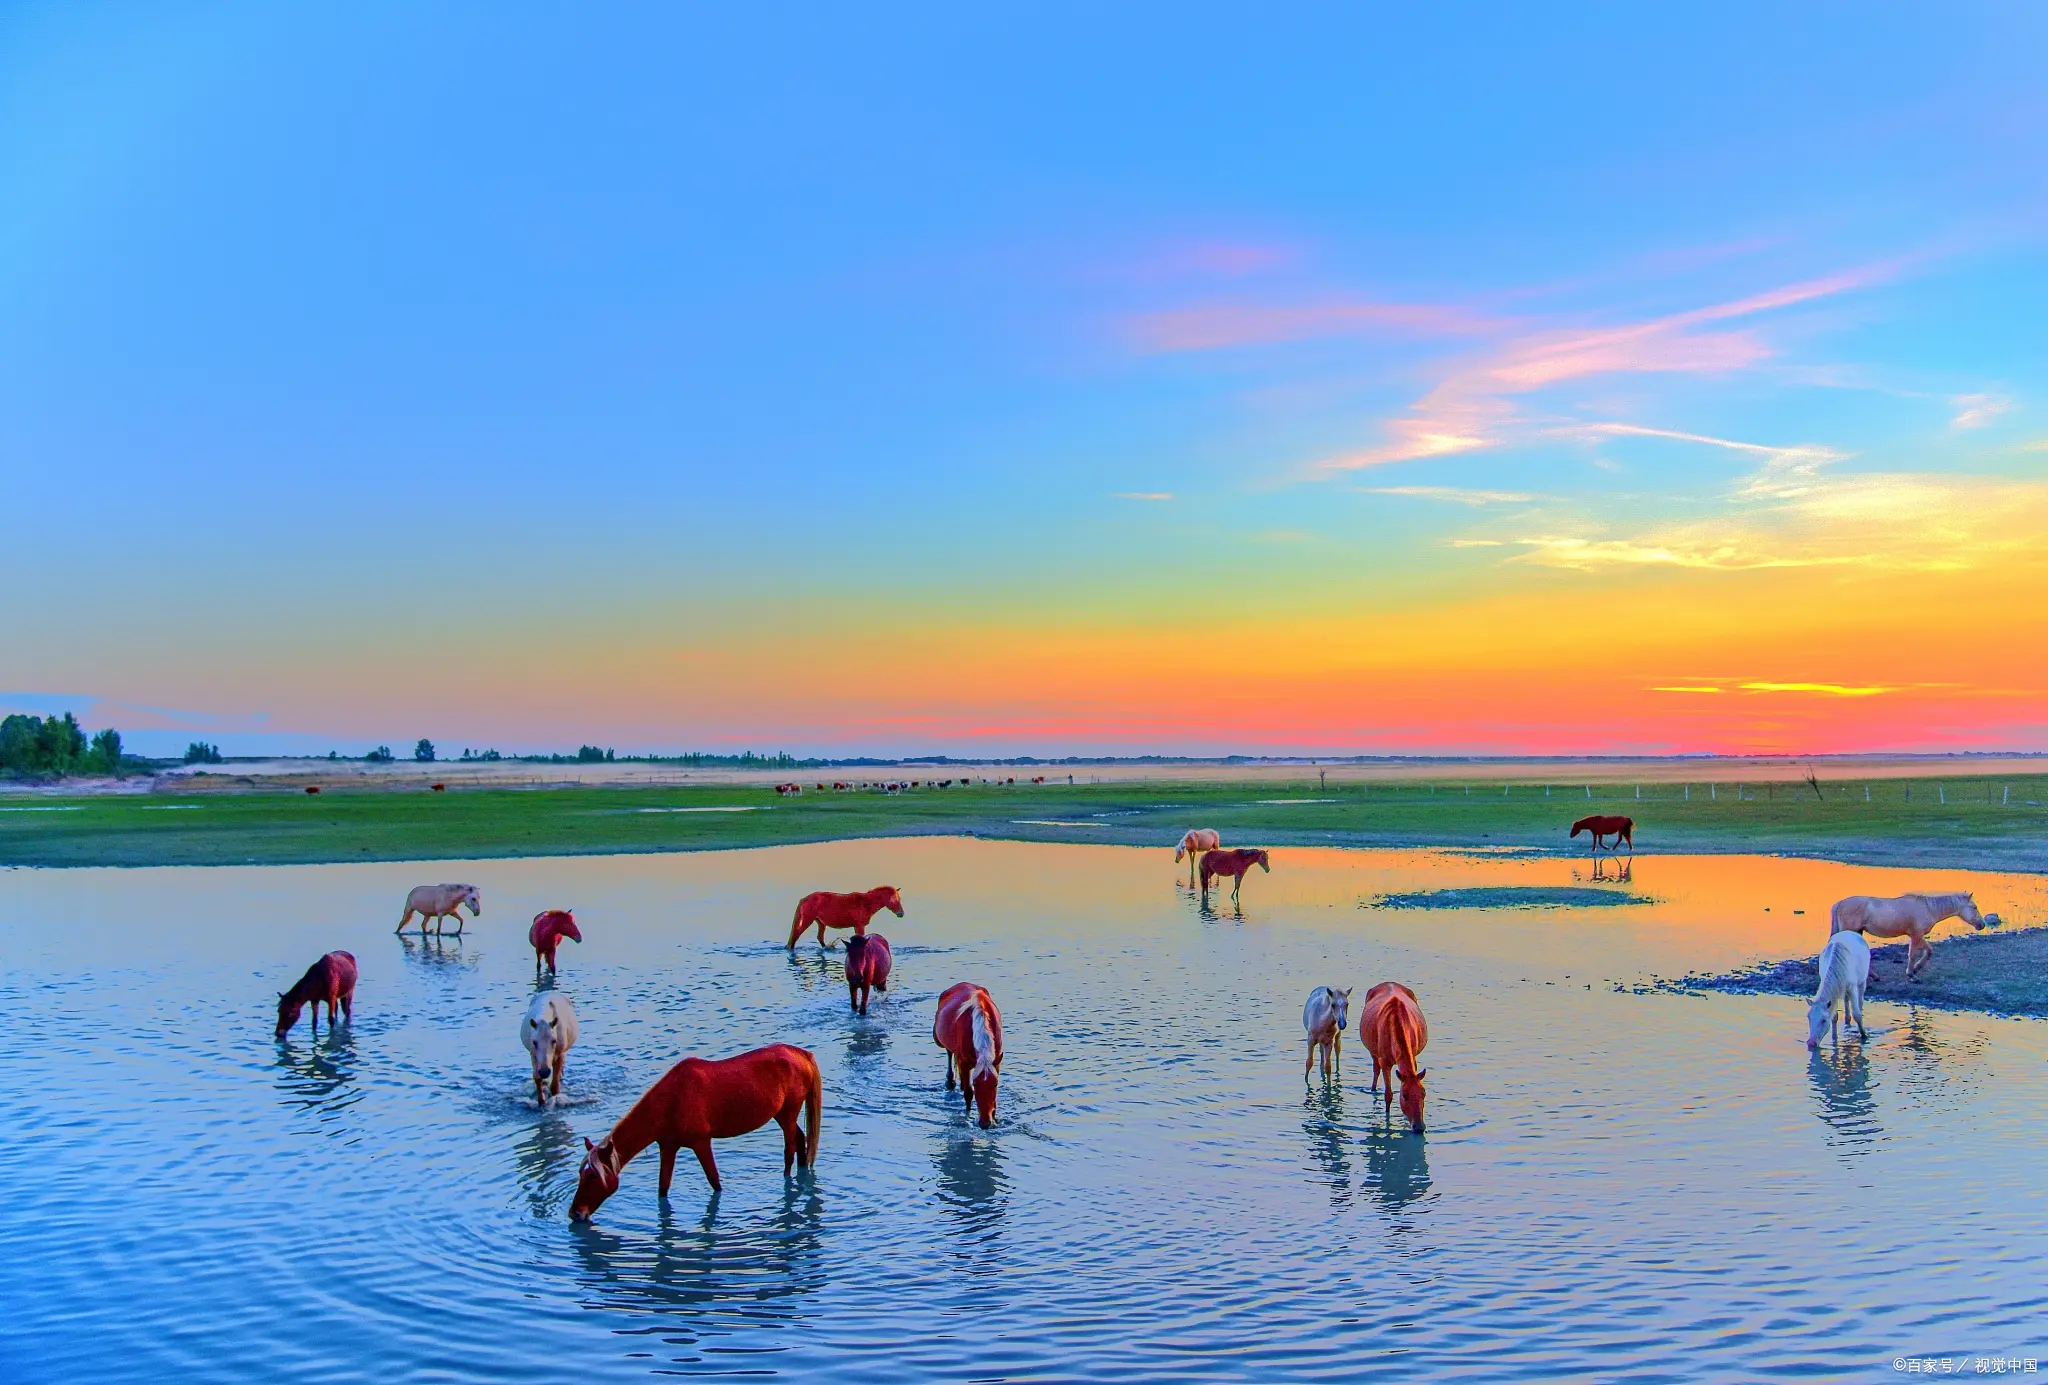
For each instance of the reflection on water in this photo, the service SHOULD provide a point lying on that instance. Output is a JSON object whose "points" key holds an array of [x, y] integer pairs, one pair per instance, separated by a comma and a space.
{"points": [[435, 951], [1396, 1166], [318, 1075], [548, 1156], [1328, 1142], [1622, 872], [1840, 1074], [974, 1194]]}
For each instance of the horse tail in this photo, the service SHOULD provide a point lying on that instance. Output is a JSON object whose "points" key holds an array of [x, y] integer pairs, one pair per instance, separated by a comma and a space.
{"points": [[814, 1114]]}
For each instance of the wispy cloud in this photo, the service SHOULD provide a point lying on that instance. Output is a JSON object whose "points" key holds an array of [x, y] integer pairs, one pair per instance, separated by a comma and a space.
{"points": [[1976, 410], [1143, 495], [1681, 688], [1216, 326], [1820, 689], [1458, 495]]}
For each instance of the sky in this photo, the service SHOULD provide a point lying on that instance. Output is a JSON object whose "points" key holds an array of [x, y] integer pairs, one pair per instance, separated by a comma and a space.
{"points": [[1048, 379]]}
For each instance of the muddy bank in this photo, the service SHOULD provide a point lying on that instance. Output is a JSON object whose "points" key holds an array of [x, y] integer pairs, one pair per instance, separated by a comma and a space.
{"points": [[1508, 897], [2003, 973]]}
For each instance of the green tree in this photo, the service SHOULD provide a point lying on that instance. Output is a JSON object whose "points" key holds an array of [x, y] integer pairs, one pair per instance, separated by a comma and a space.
{"points": [[106, 751], [424, 750], [381, 755], [200, 753]]}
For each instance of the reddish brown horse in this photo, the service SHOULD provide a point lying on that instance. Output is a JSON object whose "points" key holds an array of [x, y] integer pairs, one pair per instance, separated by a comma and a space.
{"points": [[550, 926], [868, 961], [970, 1029], [828, 910], [701, 1100], [1394, 1032], [331, 979], [1233, 863], [1622, 829]]}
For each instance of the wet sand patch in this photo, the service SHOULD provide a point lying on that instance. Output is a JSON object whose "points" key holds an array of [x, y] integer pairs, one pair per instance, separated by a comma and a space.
{"points": [[2002, 973], [1508, 897]]}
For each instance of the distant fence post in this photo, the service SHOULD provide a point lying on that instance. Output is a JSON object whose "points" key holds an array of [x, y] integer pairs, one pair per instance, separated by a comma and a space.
{"points": [[1866, 793], [1589, 790], [1639, 792], [2006, 799], [1713, 791], [1688, 793], [1941, 792]]}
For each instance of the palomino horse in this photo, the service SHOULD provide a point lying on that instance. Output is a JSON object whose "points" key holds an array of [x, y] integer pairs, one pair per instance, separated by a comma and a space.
{"points": [[1844, 972], [700, 1100], [1622, 829], [1324, 1017], [1394, 1032], [970, 1029], [550, 926], [331, 979], [1196, 841], [1233, 863], [547, 1034], [868, 961], [1912, 916], [438, 902], [829, 910]]}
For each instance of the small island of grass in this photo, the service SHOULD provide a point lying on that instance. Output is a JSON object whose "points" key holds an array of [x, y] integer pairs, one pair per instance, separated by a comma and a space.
{"points": [[1508, 897]]}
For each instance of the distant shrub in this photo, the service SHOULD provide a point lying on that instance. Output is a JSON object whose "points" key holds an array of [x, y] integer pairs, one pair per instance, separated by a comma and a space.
{"points": [[424, 750], [588, 754], [52, 747], [380, 756], [200, 753]]}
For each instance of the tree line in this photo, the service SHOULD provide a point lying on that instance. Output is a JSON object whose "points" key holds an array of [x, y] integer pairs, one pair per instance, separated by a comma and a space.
{"points": [[54, 747]]}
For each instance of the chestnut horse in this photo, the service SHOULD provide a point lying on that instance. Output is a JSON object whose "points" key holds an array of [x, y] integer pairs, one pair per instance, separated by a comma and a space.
{"points": [[829, 910], [331, 979], [700, 1100], [970, 1029], [1196, 841], [1394, 1032], [1620, 828], [439, 902], [550, 926], [1911, 916], [868, 961], [1233, 863]]}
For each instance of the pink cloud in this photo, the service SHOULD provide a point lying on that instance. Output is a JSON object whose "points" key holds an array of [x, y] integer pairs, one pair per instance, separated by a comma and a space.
{"points": [[1222, 325]]}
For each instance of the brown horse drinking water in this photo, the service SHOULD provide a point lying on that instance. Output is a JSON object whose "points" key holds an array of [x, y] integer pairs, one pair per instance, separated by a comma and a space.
{"points": [[868, 961], [1394, 1033], [970, 1029], [700, 1100], [332, 979], [828, 910], [1622, 829], [550, 926], [1233, 863]]}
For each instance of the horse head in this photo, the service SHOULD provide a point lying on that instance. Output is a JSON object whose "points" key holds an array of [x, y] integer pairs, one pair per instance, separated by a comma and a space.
{"points": [[1264, 864], [1968, 913], [540, 1042], [597, 1180], [474, 900], [1411, 1098], [984, 1084], [287, 1013], [565, 925], [891, 900], [1818, 1015], [1342, 1001]]}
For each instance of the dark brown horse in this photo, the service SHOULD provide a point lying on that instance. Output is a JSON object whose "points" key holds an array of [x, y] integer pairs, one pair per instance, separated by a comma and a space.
{"points": [[331, 979], [868, 961], [1622, 829], [1233, 862]]}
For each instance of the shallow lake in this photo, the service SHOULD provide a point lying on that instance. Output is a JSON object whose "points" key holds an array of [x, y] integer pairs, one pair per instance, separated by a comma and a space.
{"points": [[1614, 1184]]}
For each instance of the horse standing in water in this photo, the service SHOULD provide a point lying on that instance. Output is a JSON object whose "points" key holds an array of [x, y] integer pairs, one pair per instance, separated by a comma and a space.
{"points": [[1911, 916], [331, 979], [1844, 973], [700, 1100], [547, 1033], [868, 961], [829, 910], [1196, 841], [970, 1029], [550, 926], [1233, 863], [1622, 829], [1394, 1032], [440, 902], [1324, 1017]]}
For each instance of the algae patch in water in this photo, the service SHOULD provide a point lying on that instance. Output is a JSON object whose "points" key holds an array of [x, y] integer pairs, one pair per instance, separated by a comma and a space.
{"points": [[1508, 897]]}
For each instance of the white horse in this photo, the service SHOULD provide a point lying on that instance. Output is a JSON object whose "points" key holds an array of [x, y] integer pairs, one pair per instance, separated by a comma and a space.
{"points": [[547, 1034], [1844, 972], [1324, 1017], [438, 902], [1193, 843]]}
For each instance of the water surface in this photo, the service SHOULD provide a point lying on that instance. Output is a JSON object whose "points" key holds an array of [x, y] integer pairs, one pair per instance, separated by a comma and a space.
{"points": [[1613, 1185]]}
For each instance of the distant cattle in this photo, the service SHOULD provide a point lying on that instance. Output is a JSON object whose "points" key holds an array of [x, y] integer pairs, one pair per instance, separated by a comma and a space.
{"points": [[312, 788]]}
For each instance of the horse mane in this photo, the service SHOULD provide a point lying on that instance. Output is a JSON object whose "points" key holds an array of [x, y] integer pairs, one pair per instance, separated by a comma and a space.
{"points": [[984, 1043]]}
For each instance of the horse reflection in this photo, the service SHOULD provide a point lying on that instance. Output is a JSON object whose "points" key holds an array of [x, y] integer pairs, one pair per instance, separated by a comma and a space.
{"points": [[433, 952], [866, 1043], [815, 970], [1323, 1124], [1396, 1166], [1621, 870], [1840, 1074], [548, 1159], [975, 1193], [319, 1076]]}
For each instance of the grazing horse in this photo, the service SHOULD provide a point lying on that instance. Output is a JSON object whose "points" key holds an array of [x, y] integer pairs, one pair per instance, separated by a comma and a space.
{"points": [[1233, 863], [548, 1033], [828, 910], [1324, 1018], [1844, 972], [1911, 916], [970, 1029], [700, 1100], [1622, 829], [868, 961], [331, 979], [550, 926], [438, 902], [1394, 1032], [1196, 841]]}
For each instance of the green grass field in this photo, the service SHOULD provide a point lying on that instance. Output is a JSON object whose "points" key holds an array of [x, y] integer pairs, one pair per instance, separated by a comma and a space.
{"points": [[1995, 824]]}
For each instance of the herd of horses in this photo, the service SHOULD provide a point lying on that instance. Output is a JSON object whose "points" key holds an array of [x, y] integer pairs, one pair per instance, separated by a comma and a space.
{"points": [[701, 1100]]}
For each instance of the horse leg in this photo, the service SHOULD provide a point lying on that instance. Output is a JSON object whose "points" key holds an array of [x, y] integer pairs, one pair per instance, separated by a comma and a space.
{"points": [[668, 1167], [786, 1118], [561, 1056], [1337, 1043], [703, 1149], [348, 1008], [1309, 1061]]}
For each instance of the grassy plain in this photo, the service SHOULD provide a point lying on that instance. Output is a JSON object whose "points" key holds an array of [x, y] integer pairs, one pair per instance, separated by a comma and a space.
{"points": [[1989, 823]]}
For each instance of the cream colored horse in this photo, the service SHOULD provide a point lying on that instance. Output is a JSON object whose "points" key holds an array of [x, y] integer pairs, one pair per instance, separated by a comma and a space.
{"points": [[547, 1033], [1909, 916], [1192, 845], [439, 902], [1844, 974]]}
